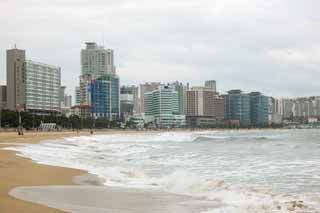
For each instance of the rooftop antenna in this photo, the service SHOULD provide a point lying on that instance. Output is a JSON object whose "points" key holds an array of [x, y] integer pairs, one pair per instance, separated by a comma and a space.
{"points": [[103, 39]]}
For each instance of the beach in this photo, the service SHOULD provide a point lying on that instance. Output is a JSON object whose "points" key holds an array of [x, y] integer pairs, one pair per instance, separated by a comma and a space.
{"points": [[72, 190], [253, 171], [17, 171]]}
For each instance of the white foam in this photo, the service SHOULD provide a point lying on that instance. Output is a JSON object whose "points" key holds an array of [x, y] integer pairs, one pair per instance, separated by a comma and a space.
{"points": [[174, 162]]}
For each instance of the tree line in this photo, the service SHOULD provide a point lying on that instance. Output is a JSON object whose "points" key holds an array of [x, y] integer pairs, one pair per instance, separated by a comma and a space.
{"points": [[29, 120]]}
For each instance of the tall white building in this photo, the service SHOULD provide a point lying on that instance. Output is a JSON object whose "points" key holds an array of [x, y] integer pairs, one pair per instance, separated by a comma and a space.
{"points": [[43, 84], [32, 86], [96, 60], [147, 87]]}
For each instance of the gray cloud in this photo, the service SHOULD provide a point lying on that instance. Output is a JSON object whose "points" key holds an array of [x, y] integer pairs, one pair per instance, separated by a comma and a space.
{"points": [[271, 46]]}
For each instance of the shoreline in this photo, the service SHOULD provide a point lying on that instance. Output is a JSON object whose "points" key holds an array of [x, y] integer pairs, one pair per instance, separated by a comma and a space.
{"points": [[17, 171], [27, 186]]}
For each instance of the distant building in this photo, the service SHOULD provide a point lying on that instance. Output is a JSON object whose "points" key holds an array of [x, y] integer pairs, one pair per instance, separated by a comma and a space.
{"points": [[77, 96], [259, 109], [211, 84], [204, 107], [68, 101], [104, 97], [16, 78], [129, 101], [162, 108], [82, 111], [237, 108], [182, 95], [3, 97], [42, 87], [96, 61], [147, 87], [32, 86]]}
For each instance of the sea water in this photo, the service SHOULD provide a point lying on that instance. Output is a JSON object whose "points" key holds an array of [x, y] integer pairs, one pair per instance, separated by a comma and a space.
{"points": [[252, 171]]}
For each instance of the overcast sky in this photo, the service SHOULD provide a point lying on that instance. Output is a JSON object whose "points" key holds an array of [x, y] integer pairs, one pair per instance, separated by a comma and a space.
{"points": [[268, 45]]}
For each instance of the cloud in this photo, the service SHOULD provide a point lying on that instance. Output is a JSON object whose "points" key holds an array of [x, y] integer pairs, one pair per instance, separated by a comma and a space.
{"points": [[271, 46]]}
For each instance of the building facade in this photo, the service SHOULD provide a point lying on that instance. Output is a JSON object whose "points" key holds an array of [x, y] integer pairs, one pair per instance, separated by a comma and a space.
{"points": [[104, 98], [43, 83], [16, 78], [162, 108], [182, 95], [147, 87], [3, 97], [237, 108], [211, 84], [129, 101], [259, 109]]}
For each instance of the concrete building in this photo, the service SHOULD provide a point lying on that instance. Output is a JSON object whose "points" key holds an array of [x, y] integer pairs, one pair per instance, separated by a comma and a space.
{"points": [[211, 84], [147, 87], [77, 96], [3, 96], [182, 95], [129, 101], [32, 86], [96, 60], [16, 78], [104, 97], [162, 108], [43, 84], [68, 101], [237, 108], [96, 63], [259, 109], [205, 108]]}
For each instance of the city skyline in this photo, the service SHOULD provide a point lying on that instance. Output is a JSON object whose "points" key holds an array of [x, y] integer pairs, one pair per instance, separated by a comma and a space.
{"points": [[280, 58]]}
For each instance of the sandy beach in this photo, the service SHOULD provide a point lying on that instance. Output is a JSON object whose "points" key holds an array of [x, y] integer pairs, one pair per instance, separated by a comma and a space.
{"points": [[26, 186], [17, 171]]}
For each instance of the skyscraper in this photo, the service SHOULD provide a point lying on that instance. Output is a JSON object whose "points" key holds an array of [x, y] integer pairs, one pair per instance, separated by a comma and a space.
{"points": [[96, 60], [16, 78], [147, 87], [32, 86], [104, 97], [259, 109], [211, 84], [162, 108], [237, 108], [43, 83]]}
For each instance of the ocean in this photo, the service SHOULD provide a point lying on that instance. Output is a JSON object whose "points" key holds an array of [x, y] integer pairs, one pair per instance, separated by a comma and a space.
{"points": [[245, 171]]}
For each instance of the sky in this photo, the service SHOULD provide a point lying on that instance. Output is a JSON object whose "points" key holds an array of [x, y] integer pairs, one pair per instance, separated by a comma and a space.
{"points": [[272, 46]]}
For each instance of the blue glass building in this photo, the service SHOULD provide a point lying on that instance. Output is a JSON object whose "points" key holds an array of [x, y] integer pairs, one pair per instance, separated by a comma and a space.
{"points": [[259, 105], [104, 95], [237, 107]]}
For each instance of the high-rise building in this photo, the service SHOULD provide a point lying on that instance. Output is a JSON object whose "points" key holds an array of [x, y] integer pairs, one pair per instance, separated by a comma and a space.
{"points": [[182, 95], [3, 97], [205, 108], [237, 108], [96, 60], [16, 78], [201, 101], [68, 101], [211, 84], [162, 108], [32, 86], [104, 97], [61, 95], [96, 63], [43, 84], [77, 96], [147, 87], [259, 109], [129, 101]]}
